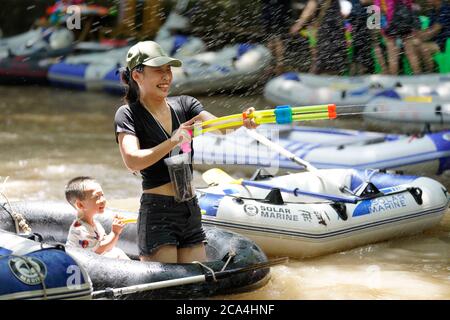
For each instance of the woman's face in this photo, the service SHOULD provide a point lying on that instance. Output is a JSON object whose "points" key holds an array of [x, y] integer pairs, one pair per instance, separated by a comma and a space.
{"points": [[154, 81]]}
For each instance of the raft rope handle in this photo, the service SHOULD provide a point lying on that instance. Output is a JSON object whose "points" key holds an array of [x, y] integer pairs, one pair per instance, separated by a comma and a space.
{"points": [[231, 255], [19, 220], [44, 287], [213, 274]]}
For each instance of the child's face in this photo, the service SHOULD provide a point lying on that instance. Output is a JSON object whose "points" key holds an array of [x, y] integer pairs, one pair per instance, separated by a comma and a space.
{"points": [[94, 201]]}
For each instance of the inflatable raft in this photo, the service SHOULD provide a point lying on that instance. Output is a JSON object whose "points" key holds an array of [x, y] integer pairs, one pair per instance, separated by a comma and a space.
{"points": [[389, 106], [23, 70], [325, 148], [85, 72], [225, 249], [306, 214], [37, 41], [7, 45], [232, 68], [289, 89], [98, 71], [31, 271], [31, 61], [374, 80], [305, 89]]}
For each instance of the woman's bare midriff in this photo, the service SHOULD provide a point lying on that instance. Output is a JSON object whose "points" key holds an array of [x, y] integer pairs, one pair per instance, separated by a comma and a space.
{"points": [[165, 189]]}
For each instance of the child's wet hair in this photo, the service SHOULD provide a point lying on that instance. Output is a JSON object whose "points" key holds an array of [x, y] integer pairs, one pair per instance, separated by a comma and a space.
{"points": [[76, 188]]}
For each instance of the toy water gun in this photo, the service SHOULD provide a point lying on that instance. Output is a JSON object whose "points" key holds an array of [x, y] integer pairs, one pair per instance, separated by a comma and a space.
{"points": [[129, 220], [281, 115]]}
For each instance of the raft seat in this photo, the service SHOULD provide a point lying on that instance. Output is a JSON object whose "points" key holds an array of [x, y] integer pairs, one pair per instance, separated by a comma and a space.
{"points": [[330, 184]]}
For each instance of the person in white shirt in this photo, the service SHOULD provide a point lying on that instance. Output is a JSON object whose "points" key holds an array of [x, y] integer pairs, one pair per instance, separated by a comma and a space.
{"points": [[86, 196]]}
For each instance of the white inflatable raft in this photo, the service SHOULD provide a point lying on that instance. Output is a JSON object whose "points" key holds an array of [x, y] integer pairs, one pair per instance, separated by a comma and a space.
{"points": [[374, 80], [325, 148], [232, 68], [290, 221], [305, 89], [389, 106], [22, 39], [38, 40]]}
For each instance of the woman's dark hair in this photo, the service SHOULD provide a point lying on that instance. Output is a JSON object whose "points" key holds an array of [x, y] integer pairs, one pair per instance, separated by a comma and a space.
{"points": [[132, 88]]}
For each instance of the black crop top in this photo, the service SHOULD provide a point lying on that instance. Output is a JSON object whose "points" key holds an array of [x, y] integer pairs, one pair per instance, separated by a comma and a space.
{"points": [[136, 120]]}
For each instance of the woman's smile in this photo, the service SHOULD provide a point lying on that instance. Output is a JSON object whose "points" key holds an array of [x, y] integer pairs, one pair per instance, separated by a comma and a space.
{"points": [[164, 86]]}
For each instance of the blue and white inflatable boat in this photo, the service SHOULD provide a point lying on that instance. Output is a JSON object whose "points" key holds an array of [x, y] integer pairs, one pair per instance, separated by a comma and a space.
{"points": [[85, 72], [33, 271], [325, 148], [310, 214], [98, 71]]}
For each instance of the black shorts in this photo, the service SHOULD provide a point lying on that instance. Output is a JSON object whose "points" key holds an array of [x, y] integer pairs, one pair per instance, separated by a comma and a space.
{"points": [[163, 221]]}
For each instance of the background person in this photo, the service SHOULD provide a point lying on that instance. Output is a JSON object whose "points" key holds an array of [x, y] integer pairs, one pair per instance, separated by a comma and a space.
{"points": [[330, 53], [398, 23], [434, 38]]}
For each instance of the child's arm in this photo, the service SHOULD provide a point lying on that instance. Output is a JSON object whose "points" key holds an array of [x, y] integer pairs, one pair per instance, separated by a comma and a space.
{"points": [[111, 239]]}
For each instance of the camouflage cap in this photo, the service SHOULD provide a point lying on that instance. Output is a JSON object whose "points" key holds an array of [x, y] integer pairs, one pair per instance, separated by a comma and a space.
{"points": [[151, 54]]}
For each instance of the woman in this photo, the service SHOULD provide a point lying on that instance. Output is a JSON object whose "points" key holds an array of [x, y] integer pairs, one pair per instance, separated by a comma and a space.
{"points": [[147, 129]]}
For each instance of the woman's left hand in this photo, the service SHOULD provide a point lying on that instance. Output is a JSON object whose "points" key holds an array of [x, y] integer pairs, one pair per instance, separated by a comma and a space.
{"points": [[250, 123]]}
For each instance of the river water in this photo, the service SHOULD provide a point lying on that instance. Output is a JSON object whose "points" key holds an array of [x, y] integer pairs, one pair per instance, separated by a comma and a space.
{"points": [[48, 136]]}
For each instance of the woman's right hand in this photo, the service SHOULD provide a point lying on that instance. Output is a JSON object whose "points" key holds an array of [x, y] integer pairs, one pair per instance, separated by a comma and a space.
{"points": [[184, 133]]}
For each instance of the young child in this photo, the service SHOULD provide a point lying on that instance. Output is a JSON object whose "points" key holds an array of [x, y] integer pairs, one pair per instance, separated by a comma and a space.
{"points": [[86, 196]]}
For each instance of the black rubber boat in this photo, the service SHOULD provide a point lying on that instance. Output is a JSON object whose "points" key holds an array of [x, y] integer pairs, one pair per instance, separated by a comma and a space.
{"points": [[51, 221]]}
